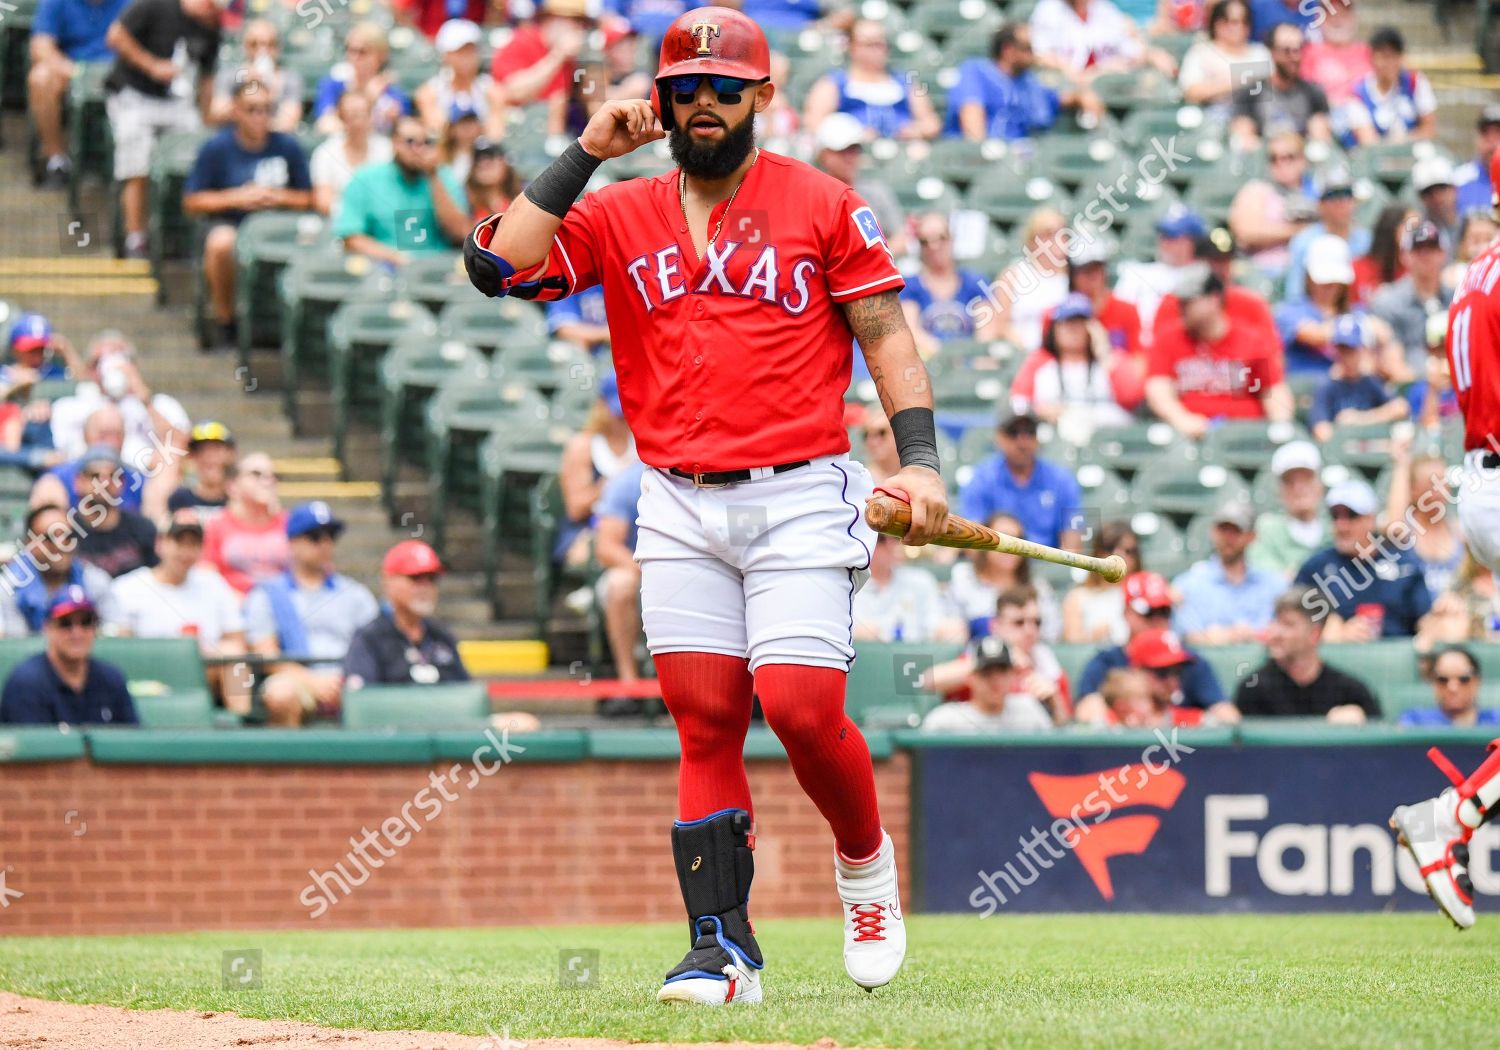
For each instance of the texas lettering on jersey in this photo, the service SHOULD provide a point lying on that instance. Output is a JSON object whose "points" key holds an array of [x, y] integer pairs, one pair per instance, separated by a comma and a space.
{"points": [[741, 358]]}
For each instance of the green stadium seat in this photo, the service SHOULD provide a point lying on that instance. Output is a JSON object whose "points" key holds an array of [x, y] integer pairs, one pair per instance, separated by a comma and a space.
{"points": [[882, 671], [168, 665], [1233, 663], [953, 22], [1073, 658], [490, 325], [1077, 160], [1390, 163], [15, 53], [1179, 484], [1010, 197], [410, 374], [1106, 496], [436, 279], [312, 288], [549, 577], [550, 366], [266, 243], [170, 231], [449, 705], [1363, 447], [961, 163], [359, 335], [459, 418], [1175, 44], [1127, 448], [512, 464], [90, 137], [1125, 91], [1163, 547], [192, 709], [1247, 445], [577, 390]]}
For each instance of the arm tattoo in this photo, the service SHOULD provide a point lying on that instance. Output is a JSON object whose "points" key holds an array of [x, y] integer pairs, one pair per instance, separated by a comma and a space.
{"points": [[874, 317]]}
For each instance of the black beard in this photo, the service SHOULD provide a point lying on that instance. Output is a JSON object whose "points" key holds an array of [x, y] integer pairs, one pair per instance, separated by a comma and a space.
{"points": [[712, 161]]}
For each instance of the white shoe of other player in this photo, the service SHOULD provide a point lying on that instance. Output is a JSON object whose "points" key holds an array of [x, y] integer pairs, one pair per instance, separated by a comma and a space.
{"points": [[739, 984], [874, 930], [1431, 833]]}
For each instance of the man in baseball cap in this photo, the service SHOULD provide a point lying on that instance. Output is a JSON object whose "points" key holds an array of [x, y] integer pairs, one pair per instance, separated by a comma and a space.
{"points": [[64, 683], [1352, 395], [404, 645], [1435, 183], [997, 676], [1148, 606], [310, 614], [1375, 587], [1475, 189], [1288, 536], [1225, 599], [212, 452], [1407, 302], [1041, 494]]}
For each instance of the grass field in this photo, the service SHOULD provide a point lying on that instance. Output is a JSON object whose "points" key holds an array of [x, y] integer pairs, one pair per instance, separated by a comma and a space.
{"points": [[1117, 981]]}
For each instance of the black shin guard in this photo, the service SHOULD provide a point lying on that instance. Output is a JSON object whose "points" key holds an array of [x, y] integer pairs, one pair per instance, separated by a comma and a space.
{"points": [[714, 868]]}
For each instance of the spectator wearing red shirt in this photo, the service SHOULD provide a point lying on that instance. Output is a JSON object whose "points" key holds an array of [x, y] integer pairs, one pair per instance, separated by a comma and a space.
{"points": [[247, 540], [1246, 309], [1207, 367], [1087, 274], [1336, 57], [537, 63], [429, 15]]}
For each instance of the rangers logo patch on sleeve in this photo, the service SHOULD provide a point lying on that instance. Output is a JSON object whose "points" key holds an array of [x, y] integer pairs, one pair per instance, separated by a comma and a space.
{"points": [[869, 228]]}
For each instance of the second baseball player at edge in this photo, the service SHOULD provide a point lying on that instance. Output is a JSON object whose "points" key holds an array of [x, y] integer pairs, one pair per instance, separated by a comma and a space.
{"points": [[733, 285]]}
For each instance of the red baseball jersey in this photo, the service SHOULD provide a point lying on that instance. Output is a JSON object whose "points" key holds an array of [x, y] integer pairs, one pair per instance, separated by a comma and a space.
{"points": [[1227, 378], [1474, 349], [742, 359]]}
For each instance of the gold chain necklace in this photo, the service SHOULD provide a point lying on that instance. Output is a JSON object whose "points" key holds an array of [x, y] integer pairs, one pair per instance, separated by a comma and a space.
{"points": [[682, 203]]}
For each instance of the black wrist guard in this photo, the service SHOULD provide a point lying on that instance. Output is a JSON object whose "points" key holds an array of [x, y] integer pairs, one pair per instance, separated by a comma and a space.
{"points": [[916, 438], [555, 189]]}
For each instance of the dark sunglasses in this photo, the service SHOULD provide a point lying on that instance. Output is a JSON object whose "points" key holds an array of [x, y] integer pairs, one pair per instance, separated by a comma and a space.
{"points": [[729, 89], [418, 140], [319, 535], [1447, 679], [928, 242], [87, 621], [1025, 621], [1343, 514]]}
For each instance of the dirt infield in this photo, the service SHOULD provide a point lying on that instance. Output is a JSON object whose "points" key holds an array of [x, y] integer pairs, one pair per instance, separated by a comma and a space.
{"points": [[38, 1024]]}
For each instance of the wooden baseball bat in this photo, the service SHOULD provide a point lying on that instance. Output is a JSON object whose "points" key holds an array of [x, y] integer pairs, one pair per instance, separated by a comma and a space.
{"points": [[892, 516]]}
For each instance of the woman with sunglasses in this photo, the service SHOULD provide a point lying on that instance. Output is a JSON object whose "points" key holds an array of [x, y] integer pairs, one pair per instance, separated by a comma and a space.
{"points": [[366, 52], [733, 285], [246, 541], [1456, 681], [492, 183]]}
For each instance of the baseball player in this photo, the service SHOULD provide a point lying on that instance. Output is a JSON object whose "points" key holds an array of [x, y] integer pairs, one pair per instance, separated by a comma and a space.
{"points": [[733, 285], [1436, 832]]}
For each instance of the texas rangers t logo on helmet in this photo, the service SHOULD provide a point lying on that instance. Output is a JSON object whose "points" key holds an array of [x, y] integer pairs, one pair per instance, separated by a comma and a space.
{"points": [[705, 31]]}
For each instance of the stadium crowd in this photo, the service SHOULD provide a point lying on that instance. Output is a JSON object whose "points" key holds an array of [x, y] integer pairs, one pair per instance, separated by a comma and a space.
{"points": [[1232, 375]]}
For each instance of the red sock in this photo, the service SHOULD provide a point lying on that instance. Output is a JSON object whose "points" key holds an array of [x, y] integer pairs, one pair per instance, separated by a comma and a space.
{"points": [[805, 707], [709, 697]]}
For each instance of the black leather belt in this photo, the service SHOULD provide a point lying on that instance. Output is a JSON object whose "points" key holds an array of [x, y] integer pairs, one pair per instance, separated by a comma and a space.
{"points": [[1490, 461], [730, 477]]}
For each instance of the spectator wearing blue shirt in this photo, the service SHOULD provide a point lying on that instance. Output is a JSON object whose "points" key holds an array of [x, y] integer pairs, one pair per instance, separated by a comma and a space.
{"points": [[1473, 178], [1351, 396], [1042, 496], [1266, 15], [1336, 206], [1225, 599], [936, 298], [620, 587], [366, 51], [1306, 324], [1001, 97], [105, 425], [1456, 680], [884, 101], [63, 34], [45, 567], [650, 18], [1372, 587], [579, 319], [784, 16], [243, 169], [311, 614], [64, 683]]}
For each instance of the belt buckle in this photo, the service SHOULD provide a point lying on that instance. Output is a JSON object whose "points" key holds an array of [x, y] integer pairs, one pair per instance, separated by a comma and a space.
{"points": [[698, 482]]}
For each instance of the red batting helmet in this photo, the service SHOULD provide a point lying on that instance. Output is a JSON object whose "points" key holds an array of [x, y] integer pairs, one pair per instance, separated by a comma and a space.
{"points": [[710, 40]]}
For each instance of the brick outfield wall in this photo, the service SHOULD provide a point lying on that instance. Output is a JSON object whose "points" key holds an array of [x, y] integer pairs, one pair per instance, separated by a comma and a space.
{"points": [[165, 848]]}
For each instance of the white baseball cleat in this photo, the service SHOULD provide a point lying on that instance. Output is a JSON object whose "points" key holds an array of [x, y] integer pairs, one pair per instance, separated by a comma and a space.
{"points": [[874, 930], [1431, 833], [740, 984]]}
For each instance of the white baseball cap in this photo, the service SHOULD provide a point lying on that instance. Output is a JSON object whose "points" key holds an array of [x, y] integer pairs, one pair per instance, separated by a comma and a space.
{"points": [[1432, 171], [1357, 495], [1328, 260], [839, 131], [1296, 455], [456, 33]]}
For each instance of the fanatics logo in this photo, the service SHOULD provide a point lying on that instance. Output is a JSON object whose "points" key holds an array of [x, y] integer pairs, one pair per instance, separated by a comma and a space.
{"points": [[1096, 834]]}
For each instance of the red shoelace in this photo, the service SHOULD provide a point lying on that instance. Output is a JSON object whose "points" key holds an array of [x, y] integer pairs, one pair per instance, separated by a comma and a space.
{"points": [[869, 921]]}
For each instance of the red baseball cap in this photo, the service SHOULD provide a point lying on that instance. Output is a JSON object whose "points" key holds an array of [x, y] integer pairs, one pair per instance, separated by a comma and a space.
{"points": [[411, 558], [1157, 649], [1145, 591]]}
